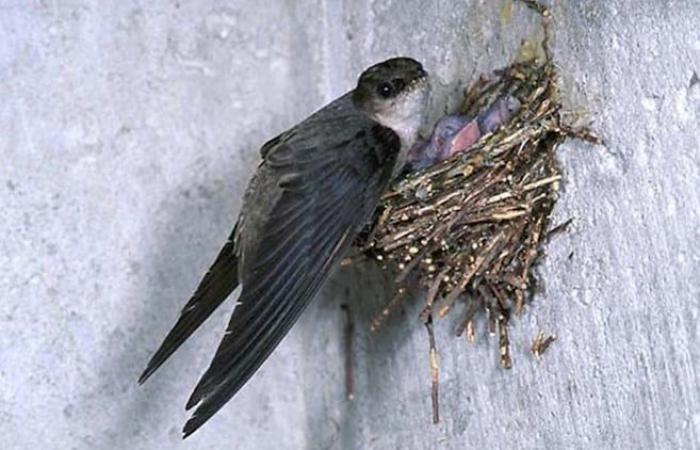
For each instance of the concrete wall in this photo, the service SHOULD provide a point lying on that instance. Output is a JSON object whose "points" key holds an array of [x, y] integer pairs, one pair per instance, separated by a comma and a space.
{"points": [[128, 130]]}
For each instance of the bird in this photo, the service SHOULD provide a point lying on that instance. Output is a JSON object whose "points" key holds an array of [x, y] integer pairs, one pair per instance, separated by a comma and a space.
{"points": [[317, 185]]}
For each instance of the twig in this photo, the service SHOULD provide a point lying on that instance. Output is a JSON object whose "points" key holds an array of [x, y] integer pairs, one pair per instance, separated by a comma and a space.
{"points": [[503, 342], [467, 276], [434, 369], [379, 318], [472, 308], [431, 295], [561, 228], [541, 344]]}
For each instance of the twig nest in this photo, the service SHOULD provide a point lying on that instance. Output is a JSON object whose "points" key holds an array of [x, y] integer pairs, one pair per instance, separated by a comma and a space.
{"points": [[471, 228]]}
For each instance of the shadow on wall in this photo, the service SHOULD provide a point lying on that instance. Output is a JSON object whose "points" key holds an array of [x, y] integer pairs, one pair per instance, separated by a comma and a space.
{"points": [[187, 230], [333, 421]]}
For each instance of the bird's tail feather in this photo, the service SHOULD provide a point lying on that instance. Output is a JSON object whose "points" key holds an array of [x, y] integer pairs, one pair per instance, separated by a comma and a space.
{"points": [[215, 287]]}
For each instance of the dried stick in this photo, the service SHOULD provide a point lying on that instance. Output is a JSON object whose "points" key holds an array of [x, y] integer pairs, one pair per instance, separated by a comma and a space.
{"points": [[541, 344], [434, 369]]}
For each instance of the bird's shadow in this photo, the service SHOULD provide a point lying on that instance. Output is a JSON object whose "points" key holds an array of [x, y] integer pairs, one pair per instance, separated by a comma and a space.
{"points": [[189, 225], [334, 421]]}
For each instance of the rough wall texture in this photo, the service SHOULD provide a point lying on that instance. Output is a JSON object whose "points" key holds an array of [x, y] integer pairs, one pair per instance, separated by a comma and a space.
{"points": [[128, 130]]}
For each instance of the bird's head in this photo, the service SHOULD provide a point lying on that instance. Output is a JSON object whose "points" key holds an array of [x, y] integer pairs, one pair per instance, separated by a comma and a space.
{"points": [[395, 94]]}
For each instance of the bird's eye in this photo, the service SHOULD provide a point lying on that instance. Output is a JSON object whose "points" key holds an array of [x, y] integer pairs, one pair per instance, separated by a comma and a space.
{"points": [[385, 90]]}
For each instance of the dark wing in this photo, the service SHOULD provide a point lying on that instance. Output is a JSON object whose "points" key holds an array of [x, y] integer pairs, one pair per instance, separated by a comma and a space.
{"points": [[217, 284], [326, 195]]}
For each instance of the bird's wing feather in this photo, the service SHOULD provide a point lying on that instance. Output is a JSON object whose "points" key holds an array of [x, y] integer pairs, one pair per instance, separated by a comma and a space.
{"points": [[217, 284], [323, 202]]}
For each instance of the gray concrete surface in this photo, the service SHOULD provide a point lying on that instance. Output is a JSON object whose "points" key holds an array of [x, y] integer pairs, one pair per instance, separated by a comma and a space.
{"points": [[129, 128]]}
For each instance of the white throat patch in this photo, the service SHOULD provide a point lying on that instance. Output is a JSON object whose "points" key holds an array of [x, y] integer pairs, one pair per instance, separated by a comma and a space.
{"points": [[406, 114]]}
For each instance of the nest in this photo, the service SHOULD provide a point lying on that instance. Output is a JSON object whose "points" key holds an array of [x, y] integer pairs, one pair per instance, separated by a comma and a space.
{"points": [[471, 228]]}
